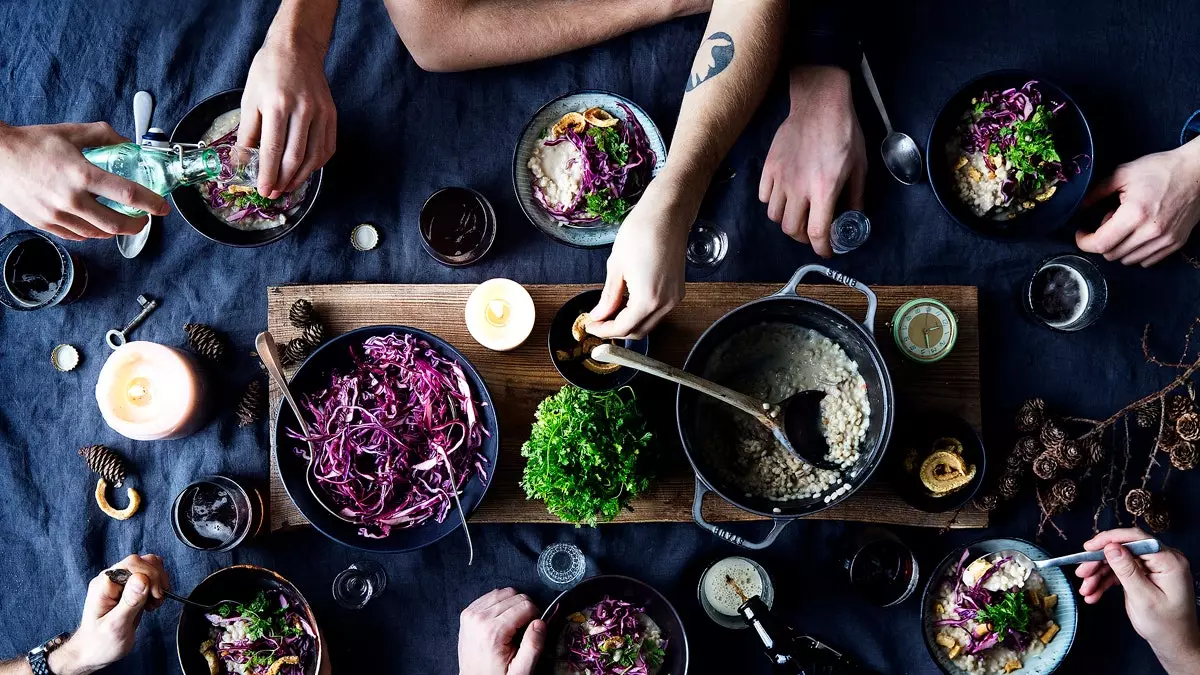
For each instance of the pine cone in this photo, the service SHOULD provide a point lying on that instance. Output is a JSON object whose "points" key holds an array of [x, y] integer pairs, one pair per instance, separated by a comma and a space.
{"points": [[1028, 448], [1030, 415], [301, 313], [295, 351], [1010, 485], [1146, 415], [206, 342], [1046, 466], [1188, 426], [1168, 439], [1138, 502], [1093, 450], [1069, 455], [1178, 406], [1158, 518], [105, 462], [1052, 435], [1064, 491], [987, 502], [1184, 456], [1015, 465], [253, 403], [314, 334]]}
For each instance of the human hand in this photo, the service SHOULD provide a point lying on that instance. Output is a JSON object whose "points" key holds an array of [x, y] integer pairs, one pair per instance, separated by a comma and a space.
{"points": [[1160, 204], [46, 181], [648, 260], [110, 617], [1159, 596], [817, 151], [288, 113], [486, 631]]}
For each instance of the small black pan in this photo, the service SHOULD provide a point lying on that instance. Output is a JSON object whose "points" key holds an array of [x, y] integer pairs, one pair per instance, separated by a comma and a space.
{"points": [[573, 370]]}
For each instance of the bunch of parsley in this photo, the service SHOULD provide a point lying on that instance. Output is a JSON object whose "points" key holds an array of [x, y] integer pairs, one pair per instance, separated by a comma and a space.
{"points": [[1012, 611], [1032, 146], [588, 454]]}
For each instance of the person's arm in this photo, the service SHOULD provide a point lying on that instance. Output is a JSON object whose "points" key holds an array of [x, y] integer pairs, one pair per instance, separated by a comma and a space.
{"points": [[453, 35], [1159, 596], [488, 628], [110, 620], [819, 149], [287, 110], [46, 181], [1160, 205], [729, 76]]}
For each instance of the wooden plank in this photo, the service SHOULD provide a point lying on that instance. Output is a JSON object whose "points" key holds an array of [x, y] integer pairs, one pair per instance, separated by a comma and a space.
{"points": [[519, 379]]}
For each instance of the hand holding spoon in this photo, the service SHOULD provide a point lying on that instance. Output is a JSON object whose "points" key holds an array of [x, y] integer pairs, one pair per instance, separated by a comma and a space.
{"points": [[1028, 565], [121, 576], [795, 422]]}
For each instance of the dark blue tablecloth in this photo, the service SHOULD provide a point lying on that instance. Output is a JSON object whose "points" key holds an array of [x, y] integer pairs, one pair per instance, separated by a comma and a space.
{"points": [[402, 133]]}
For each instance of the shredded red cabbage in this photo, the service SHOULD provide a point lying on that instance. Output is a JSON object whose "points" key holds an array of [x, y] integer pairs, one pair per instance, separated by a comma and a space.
{"points": [[218, 195], [970, 600], [613, 641], [269, 630], [603, 173], [383, 433]]}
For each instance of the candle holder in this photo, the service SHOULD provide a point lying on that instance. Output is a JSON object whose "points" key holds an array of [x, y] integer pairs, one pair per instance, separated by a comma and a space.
{"points": [[149, 392], [216, 513]]}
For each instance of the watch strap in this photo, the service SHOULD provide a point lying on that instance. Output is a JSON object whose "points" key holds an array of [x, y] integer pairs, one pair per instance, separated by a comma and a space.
{"points": [[37, 656]]}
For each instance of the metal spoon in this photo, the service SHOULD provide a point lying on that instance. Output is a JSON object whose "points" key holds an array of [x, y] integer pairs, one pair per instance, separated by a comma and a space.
{"points": [[1028, 565], [900, 153], [143, 107], [121, 576], [269, 353], [795, 422]]}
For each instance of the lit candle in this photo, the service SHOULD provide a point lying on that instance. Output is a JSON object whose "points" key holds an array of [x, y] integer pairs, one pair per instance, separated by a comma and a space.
{"points": [[148, 392], [500, 314]]}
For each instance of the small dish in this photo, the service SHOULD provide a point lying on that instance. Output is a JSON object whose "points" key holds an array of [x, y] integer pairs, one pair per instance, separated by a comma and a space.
{"points": [[591, 591], [592, 236], [188, 202], [239, 583], [1073, 138], [1066, 614], [457, 225], [919, 433], [573, 370]]}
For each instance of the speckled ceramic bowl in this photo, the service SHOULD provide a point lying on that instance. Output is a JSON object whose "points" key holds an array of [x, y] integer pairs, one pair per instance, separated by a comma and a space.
{"points": [[587, 236], [1066, 614]]}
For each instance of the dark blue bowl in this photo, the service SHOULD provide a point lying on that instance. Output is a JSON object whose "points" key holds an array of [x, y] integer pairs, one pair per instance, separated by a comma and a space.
{"points": [[313, 376], [1073, 138]]}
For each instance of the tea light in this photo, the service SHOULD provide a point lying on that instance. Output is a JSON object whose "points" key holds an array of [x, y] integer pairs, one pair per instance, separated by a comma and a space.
{"points": [[500, 314], [149, 392]]}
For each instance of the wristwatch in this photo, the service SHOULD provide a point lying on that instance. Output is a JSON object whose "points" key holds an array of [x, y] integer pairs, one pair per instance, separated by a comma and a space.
{"points": [[37, 655]]}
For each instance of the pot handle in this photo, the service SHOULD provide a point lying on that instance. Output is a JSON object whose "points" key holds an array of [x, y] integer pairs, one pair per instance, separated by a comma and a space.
{"points": [[697, 504], [872, 301]]}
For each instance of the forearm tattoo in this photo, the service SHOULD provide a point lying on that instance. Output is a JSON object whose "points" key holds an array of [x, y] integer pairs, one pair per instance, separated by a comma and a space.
{"points": [[715, 55]]}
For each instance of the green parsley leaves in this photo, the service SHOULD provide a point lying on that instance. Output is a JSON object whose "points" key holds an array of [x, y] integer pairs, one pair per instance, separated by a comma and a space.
{"points": [[1012, 611], [609, 142], [603, 205], [588, 454]]}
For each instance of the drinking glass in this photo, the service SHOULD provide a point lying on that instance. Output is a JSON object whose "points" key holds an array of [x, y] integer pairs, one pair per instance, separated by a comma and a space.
{"points": [[561, 566], [849, 231], [707, 245], [359, 583], [216, 513], [1065, 293], [38, 272], [881, 568]]}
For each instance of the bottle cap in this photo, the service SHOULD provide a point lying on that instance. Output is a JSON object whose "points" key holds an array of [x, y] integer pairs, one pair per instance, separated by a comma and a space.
{"points": [[364, 237], [64, 358]]}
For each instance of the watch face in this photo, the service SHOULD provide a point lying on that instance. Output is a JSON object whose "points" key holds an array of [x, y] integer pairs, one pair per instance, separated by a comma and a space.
{"points": [[925, 330]]}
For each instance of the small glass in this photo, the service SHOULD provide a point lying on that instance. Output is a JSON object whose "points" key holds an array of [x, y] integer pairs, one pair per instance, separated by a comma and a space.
{"points": [[1066, 293], [850, 230], [358, 584], [882, 569], [38, 272], [734, 621], [457, 226], [707, 245], [216, 513], [561, 566]]}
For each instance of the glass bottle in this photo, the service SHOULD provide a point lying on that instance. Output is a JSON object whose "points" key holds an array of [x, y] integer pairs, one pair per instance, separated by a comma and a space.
{"points": [[791, 653]]}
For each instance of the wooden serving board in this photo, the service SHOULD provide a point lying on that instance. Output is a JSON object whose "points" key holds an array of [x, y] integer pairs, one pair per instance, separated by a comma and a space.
{"points": [[521, 378]]}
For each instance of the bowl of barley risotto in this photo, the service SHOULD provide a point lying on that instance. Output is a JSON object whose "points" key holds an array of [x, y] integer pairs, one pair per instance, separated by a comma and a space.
{"points": [[984, 618]]}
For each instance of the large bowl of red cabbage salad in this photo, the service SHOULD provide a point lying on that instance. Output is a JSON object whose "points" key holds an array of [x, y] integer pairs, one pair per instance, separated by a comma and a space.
{"points": [[613, 625], [1010, 155], [583, 162], [401, 429], [998, 616]]}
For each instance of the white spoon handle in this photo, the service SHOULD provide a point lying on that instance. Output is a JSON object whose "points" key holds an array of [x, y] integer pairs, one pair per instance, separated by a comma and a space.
{"points": [[1140, 547], [143, 107]]}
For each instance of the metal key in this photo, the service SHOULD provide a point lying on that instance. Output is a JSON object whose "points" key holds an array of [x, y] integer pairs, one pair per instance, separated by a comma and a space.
{"points": [[115, 338]]}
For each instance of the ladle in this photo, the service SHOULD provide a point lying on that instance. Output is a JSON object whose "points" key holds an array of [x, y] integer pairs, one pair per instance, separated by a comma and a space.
{"points": [[795, 422]]}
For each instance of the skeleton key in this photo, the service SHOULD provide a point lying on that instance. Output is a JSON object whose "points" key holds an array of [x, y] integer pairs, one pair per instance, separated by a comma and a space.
{"points": [[115, 338]]}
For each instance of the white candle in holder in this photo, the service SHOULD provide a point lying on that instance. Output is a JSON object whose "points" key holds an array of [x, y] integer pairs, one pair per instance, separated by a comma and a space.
{"points": [[148, 392], [500, 314]]}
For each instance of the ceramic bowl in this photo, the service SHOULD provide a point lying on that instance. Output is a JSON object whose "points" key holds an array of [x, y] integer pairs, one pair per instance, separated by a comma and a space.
{"points": [[573, 370], [919, 432], [582, 236]]}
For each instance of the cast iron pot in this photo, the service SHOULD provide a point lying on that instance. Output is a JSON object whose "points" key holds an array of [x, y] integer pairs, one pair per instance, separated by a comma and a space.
{"points": [[787, 306]]}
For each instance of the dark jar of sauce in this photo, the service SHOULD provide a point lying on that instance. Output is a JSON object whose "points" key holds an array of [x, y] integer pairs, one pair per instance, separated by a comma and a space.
{"points": [[457, 225], [216, 513]]}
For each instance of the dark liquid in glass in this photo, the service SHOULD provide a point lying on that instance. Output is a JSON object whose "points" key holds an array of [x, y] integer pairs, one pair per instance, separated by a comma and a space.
{"points": [[33, 272], [882, 571], [1058, 295], [207, 516], [454, 222]]}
